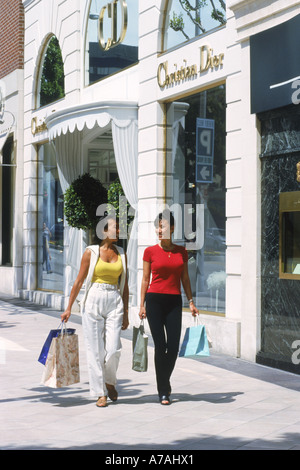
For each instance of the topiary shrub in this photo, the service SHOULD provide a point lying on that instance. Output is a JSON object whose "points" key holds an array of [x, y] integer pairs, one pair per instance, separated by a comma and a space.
{"points": [[81, 200], [115, 190]]}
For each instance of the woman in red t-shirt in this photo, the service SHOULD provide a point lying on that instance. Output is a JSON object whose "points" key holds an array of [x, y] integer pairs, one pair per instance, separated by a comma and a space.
{"points": [[167, 264]]}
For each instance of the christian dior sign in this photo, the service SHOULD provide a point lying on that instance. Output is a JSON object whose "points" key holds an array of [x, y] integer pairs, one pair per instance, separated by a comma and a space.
{"points": [[208, 62]]}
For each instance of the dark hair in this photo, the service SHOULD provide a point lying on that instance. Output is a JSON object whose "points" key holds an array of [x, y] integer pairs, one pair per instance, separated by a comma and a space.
{"points": [[167, 215], [107, 216]]}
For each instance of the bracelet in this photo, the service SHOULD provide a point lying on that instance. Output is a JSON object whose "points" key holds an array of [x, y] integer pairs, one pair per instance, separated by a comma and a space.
{"points": [[190, 301]]}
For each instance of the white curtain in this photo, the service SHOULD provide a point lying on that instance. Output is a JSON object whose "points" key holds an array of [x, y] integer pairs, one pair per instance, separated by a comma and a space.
{"points": [[69, 164], [179, 112], [125, 141]]}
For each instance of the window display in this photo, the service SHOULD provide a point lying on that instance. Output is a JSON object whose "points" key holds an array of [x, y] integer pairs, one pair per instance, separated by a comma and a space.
{"points": [[50, 223], [289, 244]]}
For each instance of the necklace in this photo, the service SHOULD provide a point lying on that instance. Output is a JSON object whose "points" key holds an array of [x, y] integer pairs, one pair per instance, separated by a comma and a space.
{"points": [[168, 252]]}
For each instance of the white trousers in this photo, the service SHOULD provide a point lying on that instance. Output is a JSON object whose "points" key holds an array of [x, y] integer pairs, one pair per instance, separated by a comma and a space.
{"points": [[102, 320]]}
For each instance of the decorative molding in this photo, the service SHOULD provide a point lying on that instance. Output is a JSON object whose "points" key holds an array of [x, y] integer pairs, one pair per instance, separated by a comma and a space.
{"points": [[27, 3], [254, 16]]}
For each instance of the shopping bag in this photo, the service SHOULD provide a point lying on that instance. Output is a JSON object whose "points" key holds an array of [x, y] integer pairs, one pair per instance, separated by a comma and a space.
{"points": [[62, 364], [53, 334], [195, 342], [140, 349]]}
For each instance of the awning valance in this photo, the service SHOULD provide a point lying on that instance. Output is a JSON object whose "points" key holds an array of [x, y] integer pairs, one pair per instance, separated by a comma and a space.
{"points": [[87, 115]]}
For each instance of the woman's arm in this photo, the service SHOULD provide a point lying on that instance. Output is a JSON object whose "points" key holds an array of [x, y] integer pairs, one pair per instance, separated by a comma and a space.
{"points": [[185, 279], [125, 301], [84, 269], [144, 287]]}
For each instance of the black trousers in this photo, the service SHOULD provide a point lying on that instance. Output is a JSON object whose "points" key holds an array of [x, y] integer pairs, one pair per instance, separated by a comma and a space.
{"points": [[164, 313]]}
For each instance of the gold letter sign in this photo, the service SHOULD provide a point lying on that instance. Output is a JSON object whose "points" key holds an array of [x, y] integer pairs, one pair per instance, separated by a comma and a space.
{"points": [[112, 12]]}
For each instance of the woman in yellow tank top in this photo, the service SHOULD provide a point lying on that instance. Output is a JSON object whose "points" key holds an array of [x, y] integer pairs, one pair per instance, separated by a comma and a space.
{"points": [[108, 272], [105, 311]]}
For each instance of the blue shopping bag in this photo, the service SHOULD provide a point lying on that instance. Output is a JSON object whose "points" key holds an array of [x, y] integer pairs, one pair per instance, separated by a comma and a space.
{"points": [[195, 342], [53, 334]]}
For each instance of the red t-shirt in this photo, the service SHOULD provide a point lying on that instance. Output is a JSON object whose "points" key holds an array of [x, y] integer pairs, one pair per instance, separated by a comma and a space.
{"points": [[166, 268]]}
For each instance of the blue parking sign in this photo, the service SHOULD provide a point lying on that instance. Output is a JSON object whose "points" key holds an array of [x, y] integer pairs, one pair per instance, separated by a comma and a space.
{"points": [[204, 173], [205, 135]]}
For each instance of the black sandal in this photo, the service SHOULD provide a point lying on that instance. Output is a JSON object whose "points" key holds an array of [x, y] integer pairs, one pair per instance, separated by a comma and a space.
{"points": [[164, 400]]}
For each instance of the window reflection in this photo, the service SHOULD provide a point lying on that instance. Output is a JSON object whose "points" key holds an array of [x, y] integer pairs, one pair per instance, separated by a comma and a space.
{"points": [[50, 223], [197, 179], [100, 63], [188, 19], [52, 84]]}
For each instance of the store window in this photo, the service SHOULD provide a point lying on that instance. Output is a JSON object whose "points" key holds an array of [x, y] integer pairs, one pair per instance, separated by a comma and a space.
{"points": [[186, 19], [102, 165], [52, 82], [50, 222], [289, 235], [111, 38], [196, 190], [7, 179]]}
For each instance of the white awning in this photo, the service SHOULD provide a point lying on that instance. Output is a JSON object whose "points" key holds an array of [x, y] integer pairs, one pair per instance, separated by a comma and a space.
{"points": [[87, 115]]}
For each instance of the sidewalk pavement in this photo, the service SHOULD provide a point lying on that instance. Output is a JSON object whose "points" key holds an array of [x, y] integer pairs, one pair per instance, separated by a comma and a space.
{"points": [[219, 403]]}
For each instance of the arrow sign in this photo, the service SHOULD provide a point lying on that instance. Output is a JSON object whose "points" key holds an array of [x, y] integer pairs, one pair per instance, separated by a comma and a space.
{"points": [[204, 173]]}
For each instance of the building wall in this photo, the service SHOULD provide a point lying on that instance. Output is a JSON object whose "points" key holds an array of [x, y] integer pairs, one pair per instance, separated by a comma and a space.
{"points": [[11, 36]]}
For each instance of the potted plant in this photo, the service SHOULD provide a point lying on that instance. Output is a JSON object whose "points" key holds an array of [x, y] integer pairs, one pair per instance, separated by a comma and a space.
{"points": [[81, 200]]}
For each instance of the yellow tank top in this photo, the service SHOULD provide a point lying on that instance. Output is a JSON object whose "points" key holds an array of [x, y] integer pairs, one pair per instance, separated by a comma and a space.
{"points": [[108, 273]]}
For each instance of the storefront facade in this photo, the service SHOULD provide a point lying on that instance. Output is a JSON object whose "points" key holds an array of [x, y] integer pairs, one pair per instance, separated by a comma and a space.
{"points": [[75, 127], [268, 37], [186, 91], [275, 100], [164, 103]]}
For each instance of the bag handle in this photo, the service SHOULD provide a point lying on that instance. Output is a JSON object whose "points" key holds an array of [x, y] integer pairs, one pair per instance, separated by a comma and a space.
{"points": [[196, 323], [63, 328]]}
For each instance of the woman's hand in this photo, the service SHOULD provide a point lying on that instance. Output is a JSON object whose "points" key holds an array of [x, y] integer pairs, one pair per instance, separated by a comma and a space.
{"points": [[65, 316], [125, 323], [193, 309], [142, 313], [84, 268]]}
